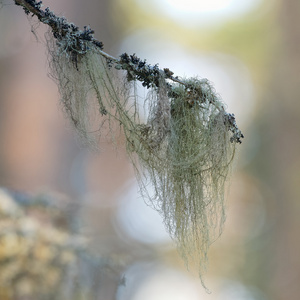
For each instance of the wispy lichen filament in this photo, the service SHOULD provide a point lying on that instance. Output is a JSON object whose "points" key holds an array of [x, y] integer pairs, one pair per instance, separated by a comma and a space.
{"points": [[183, 149]]}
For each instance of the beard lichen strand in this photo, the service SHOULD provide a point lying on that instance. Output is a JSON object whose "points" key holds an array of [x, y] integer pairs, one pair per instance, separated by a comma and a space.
{"points": [[110, 98], [189, 171], [89, 91], [72, 84], [159, 113]]}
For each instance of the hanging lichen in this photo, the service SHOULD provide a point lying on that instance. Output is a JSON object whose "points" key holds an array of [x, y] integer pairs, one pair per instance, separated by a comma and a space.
{"points": [[183, 149], [188, 169]]}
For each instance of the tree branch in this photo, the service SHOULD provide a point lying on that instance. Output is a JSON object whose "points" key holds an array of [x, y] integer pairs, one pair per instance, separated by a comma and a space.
{"points": [[49, 18], [136, 68]]}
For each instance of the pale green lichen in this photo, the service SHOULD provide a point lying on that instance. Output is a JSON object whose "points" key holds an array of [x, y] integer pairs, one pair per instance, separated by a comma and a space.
{"points": [[189, 168], [91, 94], [184, 148]]}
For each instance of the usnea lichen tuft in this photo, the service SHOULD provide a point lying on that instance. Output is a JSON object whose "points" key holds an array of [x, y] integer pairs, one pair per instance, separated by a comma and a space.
{"points": [[92, 95], [188, 169], [183, 148]]}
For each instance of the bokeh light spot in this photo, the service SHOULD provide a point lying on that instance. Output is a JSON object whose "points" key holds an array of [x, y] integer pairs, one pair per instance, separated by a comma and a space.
{"points": [[192, 13], [198, 6], [139, 221]]}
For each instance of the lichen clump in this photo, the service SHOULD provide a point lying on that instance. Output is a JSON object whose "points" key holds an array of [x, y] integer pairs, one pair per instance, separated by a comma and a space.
{"points": [[188, 170], [183, 149]]}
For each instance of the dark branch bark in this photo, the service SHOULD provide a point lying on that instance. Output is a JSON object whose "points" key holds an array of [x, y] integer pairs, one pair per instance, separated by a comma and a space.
{"points": [[49, 18], [136, 68]]}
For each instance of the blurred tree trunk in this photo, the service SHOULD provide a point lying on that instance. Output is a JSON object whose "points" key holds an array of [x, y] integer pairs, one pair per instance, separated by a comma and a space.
{"points": [[278, 163]]}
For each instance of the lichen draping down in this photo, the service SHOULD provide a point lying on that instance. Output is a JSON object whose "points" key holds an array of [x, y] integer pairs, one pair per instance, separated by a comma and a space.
{"points": [[183, 150], [188, 170]]}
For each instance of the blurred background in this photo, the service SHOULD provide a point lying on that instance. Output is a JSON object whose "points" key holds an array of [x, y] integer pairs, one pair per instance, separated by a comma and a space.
{"points": [[250, 50]]}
